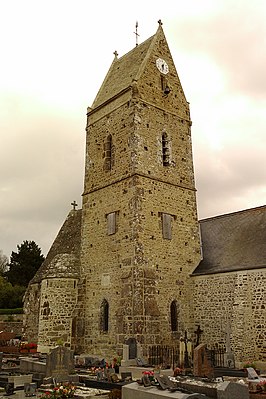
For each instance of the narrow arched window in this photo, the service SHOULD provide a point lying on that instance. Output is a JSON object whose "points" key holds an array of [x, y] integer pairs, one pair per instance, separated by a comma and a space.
{"points": [[174, 316], [74, 327], [165, 150], [108, 153], [104, 316]]}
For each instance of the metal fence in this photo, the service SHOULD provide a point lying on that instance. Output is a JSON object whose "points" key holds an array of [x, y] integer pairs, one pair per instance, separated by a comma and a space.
{"points": [[217, 355], [165, 356], [169, 356]]}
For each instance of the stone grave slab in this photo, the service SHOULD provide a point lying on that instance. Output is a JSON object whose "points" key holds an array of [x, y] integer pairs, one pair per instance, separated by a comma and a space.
{"points": [[20, 380], [252, 374], [202, 365], [60, 363], [232, 390], [136, 391], [30, 388]]}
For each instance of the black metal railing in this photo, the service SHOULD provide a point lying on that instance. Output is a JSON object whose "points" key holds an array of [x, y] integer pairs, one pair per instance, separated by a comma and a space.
{"points": [[164, 356], [217, 355]]}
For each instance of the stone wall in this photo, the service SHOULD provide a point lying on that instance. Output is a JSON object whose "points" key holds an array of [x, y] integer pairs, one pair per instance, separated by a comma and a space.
{"points": [[15, 326], [57, 303], [236, 302], [31, 313]]}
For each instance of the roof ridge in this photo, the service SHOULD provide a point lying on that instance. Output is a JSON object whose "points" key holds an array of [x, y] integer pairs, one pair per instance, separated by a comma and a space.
{"points": [[232, 213], [143, 64], [134, 48], [105, 79], [126, 69]]}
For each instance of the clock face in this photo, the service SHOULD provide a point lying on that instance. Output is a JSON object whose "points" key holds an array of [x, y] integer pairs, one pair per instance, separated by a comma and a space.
{"points": [[162, 66]]}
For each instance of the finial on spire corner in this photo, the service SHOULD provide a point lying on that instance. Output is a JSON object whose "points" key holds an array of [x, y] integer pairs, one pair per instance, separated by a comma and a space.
{"points": [[115, 54], [160, 22]]}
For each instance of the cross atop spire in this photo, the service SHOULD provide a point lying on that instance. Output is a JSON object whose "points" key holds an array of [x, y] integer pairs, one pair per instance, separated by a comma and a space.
{"points": [[160, 22]]}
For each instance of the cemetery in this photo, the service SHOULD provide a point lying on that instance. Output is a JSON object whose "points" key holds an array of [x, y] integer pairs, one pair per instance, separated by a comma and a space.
{"points": [[60, 374]]}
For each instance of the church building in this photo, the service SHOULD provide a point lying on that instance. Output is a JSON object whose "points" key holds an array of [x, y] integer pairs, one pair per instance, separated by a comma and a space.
{"points": [[135, 263]]}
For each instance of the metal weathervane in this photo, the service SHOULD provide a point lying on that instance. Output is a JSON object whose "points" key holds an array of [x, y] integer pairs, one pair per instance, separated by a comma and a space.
{"points": [[136, 33]]}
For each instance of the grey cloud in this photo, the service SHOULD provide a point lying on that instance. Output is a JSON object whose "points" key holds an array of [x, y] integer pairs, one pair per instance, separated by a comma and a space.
{"points": [[235, 39], [41, 163], [227, 178]]}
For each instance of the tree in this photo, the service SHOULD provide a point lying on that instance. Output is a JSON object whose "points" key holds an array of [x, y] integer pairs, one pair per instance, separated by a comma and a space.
{"points": [[10, 297], [24, 263], [3, 263]]}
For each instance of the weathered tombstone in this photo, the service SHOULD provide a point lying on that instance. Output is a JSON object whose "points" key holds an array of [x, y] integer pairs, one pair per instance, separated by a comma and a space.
{"points": [[126, 375], [202, 365], [131, 351], [252, 374], [10, 388], [47, 381], [30, 388], [60, 363], [108, 373], [99, 375], [229, 390], [132, 343]]}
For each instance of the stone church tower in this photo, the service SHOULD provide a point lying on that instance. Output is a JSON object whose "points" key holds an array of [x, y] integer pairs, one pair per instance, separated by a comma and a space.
{"points": [[137, 234], [140, 237]]}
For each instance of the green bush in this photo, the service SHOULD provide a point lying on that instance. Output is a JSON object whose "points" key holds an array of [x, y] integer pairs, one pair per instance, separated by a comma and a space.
{"points": [[11, 311]]}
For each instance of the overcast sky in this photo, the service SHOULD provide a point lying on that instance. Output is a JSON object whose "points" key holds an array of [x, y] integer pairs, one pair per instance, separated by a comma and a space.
{"points": [[54, 56]]}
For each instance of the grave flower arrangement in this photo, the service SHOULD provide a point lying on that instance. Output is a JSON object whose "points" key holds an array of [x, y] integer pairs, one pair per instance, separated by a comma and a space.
{"points": [[262, 385], [249, 364], [27, 346], [149, 374], [60, 392]]}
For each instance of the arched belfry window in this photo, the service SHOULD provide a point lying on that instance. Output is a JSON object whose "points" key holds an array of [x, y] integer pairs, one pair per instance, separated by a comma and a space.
{"points": [[165, 149], [104, 316], [108, 153], [174, 313]]}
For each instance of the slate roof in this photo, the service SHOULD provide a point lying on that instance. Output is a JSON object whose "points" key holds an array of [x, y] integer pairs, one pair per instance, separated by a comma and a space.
{"points": [[63, 258], [235, 241], [123, 71]]}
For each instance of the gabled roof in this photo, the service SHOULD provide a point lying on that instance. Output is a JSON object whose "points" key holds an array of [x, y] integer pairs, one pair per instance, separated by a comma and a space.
{"points": [[235, 241], [124, 70], [63, 258]]}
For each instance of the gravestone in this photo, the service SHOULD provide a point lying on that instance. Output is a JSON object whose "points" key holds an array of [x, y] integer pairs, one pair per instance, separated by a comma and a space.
{"points": [[99, 375], [232, 390], [126, 375], [9, 388], [252, 374], [30, 388], [202, 365], [132, 348], [60, 364], [131, 351]]}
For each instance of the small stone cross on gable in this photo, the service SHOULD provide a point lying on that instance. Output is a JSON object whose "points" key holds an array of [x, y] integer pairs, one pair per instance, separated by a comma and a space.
{"points": [[74, 204]]}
